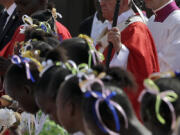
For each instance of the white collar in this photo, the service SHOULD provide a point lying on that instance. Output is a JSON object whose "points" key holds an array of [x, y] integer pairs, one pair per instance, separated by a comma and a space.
{"points": [[11, 9], [99, 21], [122, 17], [163, 6]]}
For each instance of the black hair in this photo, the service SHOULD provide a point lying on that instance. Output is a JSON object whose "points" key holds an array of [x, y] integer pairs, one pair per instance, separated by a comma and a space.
{"points": [[77, 49], [33, 33], [43, 41], [105, 112], [121, 78], [116, 77], [20, 88], [42, 47], [50, 82], [148, 113], [71, 93], [44, 16], [52, 78], [16, 74]]}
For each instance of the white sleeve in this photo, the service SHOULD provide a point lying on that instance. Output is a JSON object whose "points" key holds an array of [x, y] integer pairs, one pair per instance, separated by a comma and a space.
{"points": [[121, 58], [169, 55]]}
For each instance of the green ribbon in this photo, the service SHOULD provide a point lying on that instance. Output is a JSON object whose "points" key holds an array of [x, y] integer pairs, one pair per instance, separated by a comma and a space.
{"points": [[74, 70], [169, 96]]}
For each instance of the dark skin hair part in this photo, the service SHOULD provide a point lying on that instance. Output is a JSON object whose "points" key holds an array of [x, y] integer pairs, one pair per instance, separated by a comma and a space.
{"points": [[148, 107]]}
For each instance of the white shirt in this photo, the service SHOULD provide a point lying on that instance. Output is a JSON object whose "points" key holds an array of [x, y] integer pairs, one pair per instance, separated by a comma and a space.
{"points": [[97, 27], [166, 35], [10, 11], [121, 58]]}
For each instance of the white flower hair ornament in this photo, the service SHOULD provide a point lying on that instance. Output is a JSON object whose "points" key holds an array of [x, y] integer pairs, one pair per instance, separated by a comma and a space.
{"points": [[7, 118]]}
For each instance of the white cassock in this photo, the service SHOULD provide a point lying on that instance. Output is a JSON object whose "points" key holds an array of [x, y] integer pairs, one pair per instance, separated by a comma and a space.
{"points": [[166, 35]]}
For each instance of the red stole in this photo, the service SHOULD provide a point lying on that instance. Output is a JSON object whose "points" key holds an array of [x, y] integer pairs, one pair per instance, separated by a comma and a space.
{"points": [[142, 59]]}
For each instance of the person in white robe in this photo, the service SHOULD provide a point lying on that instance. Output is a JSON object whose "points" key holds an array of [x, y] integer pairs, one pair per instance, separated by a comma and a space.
{"points": [[165, 29]]}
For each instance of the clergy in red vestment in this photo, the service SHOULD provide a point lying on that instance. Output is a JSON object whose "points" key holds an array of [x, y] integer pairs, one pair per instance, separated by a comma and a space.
{"points": [[133, 45]]}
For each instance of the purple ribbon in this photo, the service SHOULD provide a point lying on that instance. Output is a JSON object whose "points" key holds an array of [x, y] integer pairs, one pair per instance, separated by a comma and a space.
{"points": [[163, 97], [20, 60], [104, 96]]}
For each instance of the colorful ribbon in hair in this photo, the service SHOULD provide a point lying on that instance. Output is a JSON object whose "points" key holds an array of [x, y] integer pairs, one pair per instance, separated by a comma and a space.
{"points": [[46, 65], [28, 22], [80, 70], [113, 106], [168, 74], [70, 65], [93, 53], [28, 52], [167, 96], [20, 60], [103, 96]]}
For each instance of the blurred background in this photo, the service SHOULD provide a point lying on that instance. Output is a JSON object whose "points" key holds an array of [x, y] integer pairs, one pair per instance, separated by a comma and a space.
{"points": [[75, 11]]}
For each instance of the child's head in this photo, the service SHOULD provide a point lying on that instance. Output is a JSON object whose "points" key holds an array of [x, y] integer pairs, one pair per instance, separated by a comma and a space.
{"points": [[16, 78], [51, 76], [68, 103], [47, 89], [37, 44], [40, 25], [20, 82], [160, 104], [43, 16], [107, 109], [70, 99], [81, 50]]}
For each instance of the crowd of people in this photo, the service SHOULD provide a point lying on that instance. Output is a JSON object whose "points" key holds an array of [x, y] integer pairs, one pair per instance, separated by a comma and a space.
{"points": [[53, 83]]}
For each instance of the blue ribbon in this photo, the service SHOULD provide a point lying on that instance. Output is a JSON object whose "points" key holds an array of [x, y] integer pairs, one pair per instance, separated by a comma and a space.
{"points": [[18, 60], [111, 107], [177, 73], [43, 27]]}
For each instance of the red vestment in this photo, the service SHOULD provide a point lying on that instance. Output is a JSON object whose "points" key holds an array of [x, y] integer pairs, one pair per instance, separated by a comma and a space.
{"points": [[142, 59], [8, 50]]}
